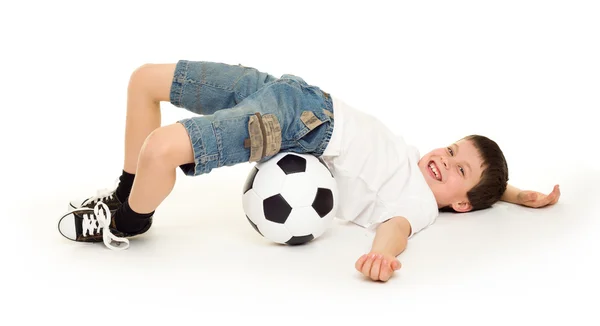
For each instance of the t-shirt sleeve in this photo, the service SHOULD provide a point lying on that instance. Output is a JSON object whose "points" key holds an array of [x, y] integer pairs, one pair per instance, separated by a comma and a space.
{"points": [[419, 217], [419, 214]]}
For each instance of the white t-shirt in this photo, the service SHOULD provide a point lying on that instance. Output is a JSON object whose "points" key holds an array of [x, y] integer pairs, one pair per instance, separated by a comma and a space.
{"points": [[376, 172]]}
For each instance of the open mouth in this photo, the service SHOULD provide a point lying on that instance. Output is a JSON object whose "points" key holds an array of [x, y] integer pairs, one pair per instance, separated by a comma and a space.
{"points": [[434, 171]]}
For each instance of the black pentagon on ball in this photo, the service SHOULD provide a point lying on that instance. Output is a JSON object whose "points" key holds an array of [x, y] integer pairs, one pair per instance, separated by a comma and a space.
{"points": [[276, 209], [292, 164], [250, 180], [254, 225], [300, 240], [323, 203]]}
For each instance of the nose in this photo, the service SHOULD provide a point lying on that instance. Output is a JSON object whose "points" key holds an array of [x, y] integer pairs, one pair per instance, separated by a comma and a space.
{"points": [[445, 162]]}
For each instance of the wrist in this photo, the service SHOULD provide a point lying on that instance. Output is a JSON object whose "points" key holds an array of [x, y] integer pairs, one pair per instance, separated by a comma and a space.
{"points": [[511, 194], [383, 252]]}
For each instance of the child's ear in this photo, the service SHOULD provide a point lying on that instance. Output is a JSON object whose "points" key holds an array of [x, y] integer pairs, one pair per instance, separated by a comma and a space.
{"points": [[462, 207]]}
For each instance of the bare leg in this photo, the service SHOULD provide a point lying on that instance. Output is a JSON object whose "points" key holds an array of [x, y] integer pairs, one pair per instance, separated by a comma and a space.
{"points": [[148, 86], [164, 150], [152, 152]]}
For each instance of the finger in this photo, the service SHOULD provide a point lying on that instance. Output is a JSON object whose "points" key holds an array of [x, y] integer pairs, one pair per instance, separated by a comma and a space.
{"points": [[555, 192], [376, 268], [360, 262], [396, 265], [364, 266], [544, 201], [551, 198], [366, 269], [557, 195], [386, 271]]}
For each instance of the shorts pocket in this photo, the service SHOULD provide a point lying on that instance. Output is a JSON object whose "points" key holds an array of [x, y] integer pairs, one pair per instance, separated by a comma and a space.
{"points": [[264, 136], [314, 128]]}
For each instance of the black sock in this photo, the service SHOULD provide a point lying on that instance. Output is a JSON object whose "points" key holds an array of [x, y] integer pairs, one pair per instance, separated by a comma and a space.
{"points": [[124, 187], [129, 221]]}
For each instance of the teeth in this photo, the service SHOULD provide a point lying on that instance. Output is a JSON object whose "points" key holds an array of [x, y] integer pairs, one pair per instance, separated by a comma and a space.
{"points": [[434, 169]]}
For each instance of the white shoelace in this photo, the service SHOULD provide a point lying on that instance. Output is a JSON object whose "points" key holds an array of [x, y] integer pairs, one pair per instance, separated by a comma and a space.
{"points": [[101, 195], [103, 216]]}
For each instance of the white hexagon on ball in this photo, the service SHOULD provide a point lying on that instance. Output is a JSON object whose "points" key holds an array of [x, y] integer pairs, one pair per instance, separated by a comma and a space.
{"points": [[298, 190], [274, 231], [272, 181], [304, 221]]}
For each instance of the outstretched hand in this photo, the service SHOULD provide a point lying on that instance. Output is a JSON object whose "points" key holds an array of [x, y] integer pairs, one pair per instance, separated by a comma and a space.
{"points": [[536, 199], [377, 267]]}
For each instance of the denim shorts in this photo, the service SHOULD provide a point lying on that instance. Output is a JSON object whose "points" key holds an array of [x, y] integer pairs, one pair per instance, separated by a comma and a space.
{"points": [[245, 115]]}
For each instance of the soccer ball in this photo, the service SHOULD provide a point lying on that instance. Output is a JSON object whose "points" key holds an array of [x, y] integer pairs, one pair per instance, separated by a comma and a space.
{"points": [[291, 198]]}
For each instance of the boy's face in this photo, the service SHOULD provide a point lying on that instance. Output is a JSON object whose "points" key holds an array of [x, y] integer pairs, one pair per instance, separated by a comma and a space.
{"points": [[458, 169]]}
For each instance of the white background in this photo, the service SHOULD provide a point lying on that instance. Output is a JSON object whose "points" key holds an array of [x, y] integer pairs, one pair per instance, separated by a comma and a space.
{"points": [[525, 73]]}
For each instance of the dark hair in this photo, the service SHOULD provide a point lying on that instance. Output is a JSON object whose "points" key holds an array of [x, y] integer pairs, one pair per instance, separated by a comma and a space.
{"points": [[494, 177]]}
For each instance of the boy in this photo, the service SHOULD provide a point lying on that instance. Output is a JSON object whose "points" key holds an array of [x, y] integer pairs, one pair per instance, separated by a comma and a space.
{"points": [[249, 116]]}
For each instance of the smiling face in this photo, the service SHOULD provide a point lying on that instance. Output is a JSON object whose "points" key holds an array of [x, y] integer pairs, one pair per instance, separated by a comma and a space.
{"points": [[452, 171]]}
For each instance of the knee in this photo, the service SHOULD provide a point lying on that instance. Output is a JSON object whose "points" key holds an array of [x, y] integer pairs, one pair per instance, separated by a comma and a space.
{"points": [[156, 149], [167, 147], [152, 80], [140, 75]]}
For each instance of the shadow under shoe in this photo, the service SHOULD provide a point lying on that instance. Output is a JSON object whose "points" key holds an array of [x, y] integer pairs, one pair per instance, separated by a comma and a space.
{"points": [[94, 224]]}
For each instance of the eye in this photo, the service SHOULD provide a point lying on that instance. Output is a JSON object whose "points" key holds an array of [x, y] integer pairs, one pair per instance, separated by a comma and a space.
{"points": [[462, 170], [450, 151]]}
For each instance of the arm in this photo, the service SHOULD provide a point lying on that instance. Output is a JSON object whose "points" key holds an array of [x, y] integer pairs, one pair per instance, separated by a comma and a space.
{"points": [[391, 238], [530, 198], [510, 195]]}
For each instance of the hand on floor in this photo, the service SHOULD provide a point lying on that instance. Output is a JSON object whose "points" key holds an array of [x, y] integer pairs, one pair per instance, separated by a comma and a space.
{"points": [[536, 199], [378, 267]]}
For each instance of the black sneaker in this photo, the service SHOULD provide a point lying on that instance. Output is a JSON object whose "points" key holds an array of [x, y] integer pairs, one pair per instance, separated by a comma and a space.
{"points": [[94, 224]]}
